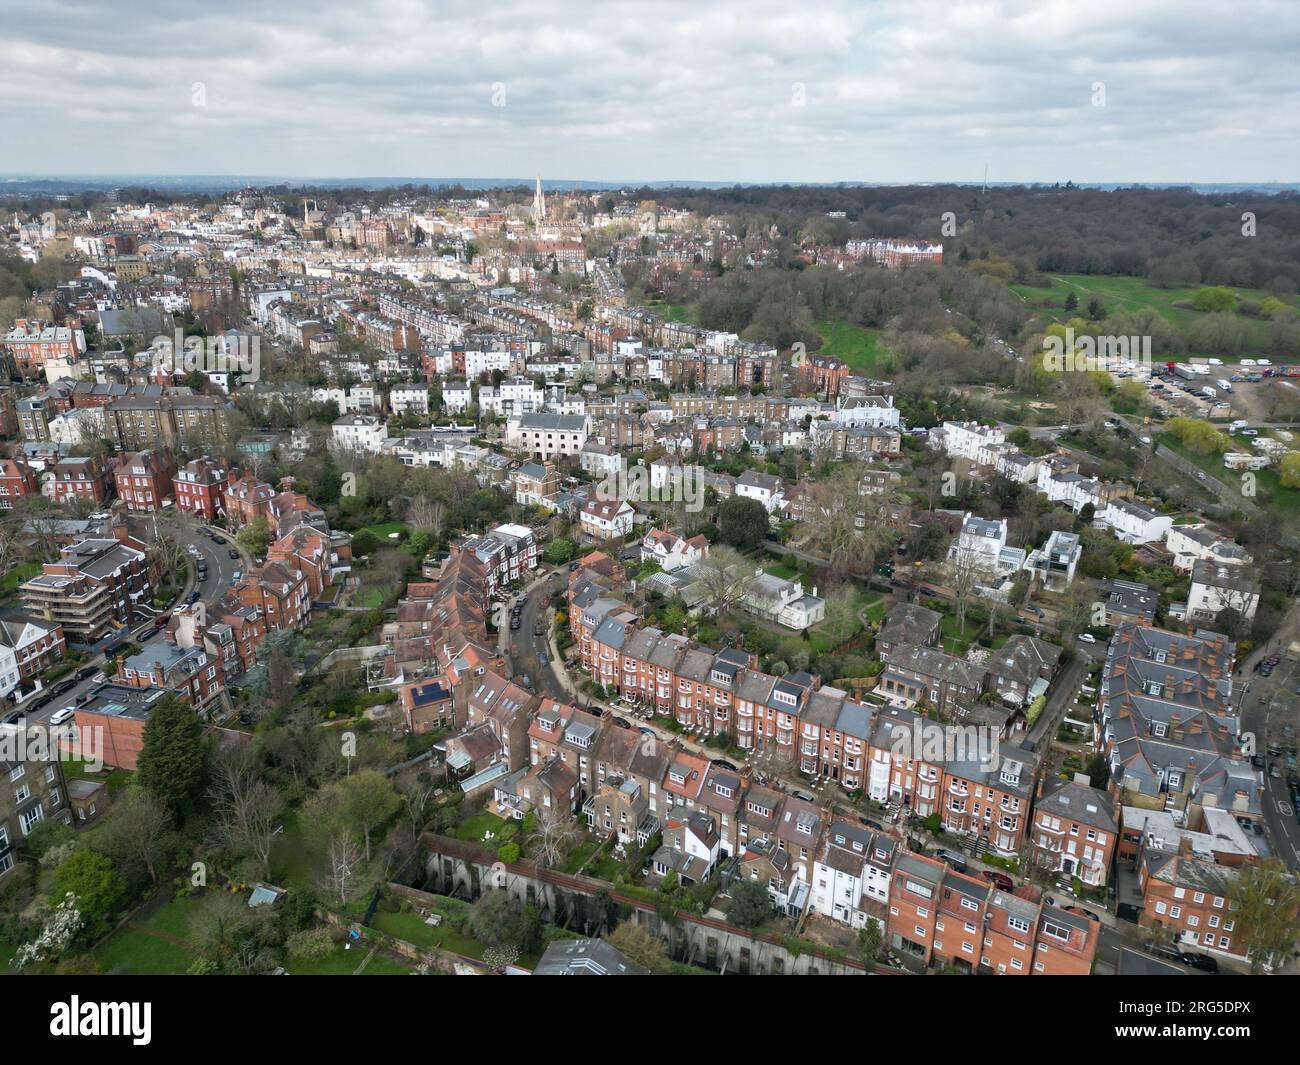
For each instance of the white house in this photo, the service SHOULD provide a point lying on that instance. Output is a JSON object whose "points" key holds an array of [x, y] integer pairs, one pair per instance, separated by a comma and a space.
{"points": [[607, 519], [1217, 587], [1190, 544], [672, 551], [456, 396], [601, 460], [982, 546], [876, 411], [852, 866], [365, 433], [783, 602], [763, 487], [970, 440], [1054, 563], [409, 399], [1134, 523], [548, 435]]}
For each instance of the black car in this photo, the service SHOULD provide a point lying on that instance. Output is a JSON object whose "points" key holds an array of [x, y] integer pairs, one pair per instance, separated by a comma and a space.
{"points": [[194, 598], [233, 553], [514, 623], [1199, 961]]}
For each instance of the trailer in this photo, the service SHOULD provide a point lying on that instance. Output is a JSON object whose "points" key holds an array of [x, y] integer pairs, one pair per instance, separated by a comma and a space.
{"points": [[1181, 369]]}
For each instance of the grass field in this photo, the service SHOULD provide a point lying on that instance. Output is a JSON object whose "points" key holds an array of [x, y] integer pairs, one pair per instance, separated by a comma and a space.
{"points": [[857, 346], [1286, 500], [1134, 293], [10, 581], [344, 962], [141, 954]]}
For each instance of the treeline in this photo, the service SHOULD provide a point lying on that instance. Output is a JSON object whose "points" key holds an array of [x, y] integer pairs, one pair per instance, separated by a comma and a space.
{"points": [[1171, 237]]}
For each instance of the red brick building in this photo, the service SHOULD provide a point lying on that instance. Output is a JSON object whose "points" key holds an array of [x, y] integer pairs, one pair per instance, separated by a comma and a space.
{"points": [[144, 478], [17, 479], [200, 487], [77, 478]]}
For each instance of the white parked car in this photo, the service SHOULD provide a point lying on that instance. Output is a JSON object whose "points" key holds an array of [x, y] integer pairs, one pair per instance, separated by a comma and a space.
{"points": [[1087, 637], [63, 715], [1263, 362], [1247, 362]]}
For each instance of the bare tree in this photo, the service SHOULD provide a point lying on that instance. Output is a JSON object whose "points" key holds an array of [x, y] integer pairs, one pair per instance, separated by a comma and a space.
{"points": [[427, 514], [138, 828], [247, 808], [724, 576], [554, 836], [966, 569]]}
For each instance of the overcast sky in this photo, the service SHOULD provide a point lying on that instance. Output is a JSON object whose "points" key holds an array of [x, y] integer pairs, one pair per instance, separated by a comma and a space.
{"points": [[1104, 90]]}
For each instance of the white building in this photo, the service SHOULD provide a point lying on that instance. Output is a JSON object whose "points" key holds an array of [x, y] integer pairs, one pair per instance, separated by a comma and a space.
{"points": [[982, 546], [364, 433], [876, 411], [1133, 523], [762, 487], [607, 519], [672, 551], [852, 868], [548, 435], [456, 396], [783, 602], [409, 399], [972, 441], [1190, 544], [1217, 587], [1055, 562]]}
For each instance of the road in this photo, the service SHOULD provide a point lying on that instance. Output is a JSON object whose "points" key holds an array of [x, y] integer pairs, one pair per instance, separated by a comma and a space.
{"points": [[40, 706], [523, 648]]}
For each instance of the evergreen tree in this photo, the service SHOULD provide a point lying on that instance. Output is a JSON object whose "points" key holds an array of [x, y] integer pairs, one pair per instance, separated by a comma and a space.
{"points": [[173, 759]]}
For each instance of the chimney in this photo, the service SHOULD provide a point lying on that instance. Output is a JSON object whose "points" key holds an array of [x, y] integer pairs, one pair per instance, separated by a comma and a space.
{"points": [[1083, 780]]}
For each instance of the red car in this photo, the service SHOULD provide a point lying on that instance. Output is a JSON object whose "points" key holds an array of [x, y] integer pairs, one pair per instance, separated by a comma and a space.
{"points": [[1000, 880]]}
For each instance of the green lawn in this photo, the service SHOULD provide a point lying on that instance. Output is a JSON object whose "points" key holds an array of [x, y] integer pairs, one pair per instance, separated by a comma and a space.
{"points": [[296, 860], [176, 918], [385, 529], [344, 962], [782, 570], [1134, 293], [409, 926], [473, 828], [140, 954], [10, 581], [859, 347]]}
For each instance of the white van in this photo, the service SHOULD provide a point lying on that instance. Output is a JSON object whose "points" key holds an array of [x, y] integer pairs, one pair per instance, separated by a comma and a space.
{"points": [[1223, 385]]}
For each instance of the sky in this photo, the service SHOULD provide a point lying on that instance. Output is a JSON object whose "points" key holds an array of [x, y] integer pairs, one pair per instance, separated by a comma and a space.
{"points": [[748, 91]]}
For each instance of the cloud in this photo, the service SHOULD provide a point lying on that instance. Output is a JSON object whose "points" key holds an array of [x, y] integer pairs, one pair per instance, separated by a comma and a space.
{"points": [[748, 91]]}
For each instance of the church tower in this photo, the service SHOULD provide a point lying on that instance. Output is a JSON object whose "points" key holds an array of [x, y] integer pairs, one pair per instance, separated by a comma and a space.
{"points": [[539, 203]]}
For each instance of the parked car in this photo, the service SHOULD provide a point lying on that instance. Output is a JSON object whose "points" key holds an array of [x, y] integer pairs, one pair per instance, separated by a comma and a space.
{"points": [[514, 622], [954, 861], [1199, 961], [60, 716], [1000, 880], [1087, 637], [233, 554]]}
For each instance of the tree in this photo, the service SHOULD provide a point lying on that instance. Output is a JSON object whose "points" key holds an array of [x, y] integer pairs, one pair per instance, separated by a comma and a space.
{"points": [[871, 941], [639, 947], [255, 537], [724, 577], [1289, 470], [61, 927], [1265, 902], [139, 829], [742, 523], [91, 879], [845, 526], [750, 906], [499, 921], [247, 809], [172, 764], [327, 814], [553, 836], [369, 801], [428, 515], [558, 552]]}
